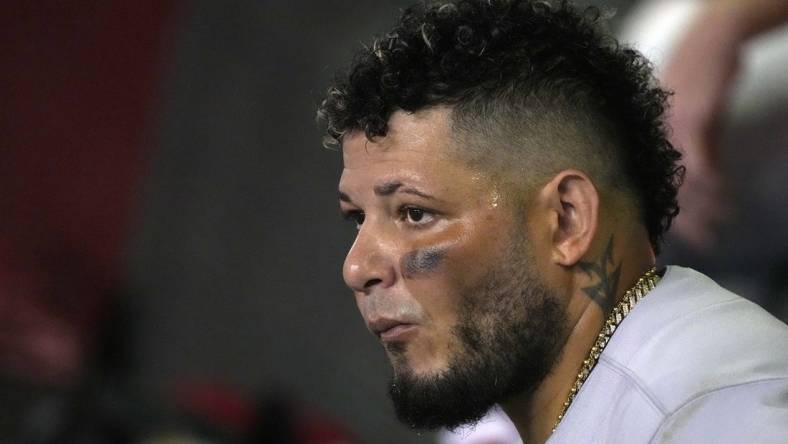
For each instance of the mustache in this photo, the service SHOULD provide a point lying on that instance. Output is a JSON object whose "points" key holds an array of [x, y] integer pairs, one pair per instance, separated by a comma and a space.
{"points": [[390, 307]]}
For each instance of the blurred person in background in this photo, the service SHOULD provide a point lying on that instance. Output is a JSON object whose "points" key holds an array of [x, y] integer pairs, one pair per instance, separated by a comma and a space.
{"points": [[510, 178], [701, 69], [725, 61]]}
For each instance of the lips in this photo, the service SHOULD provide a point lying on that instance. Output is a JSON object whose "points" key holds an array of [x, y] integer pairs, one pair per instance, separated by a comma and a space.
{"points": [[390, 329]]}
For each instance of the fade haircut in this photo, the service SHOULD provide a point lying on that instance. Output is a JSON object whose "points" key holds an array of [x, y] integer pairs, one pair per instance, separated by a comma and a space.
{"points": [[528, 81]]}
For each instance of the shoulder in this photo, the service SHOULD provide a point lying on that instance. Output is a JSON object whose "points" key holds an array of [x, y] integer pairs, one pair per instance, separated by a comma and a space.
{"points": [[700, 352], [690, 336], [690, 355], [755, 411]]}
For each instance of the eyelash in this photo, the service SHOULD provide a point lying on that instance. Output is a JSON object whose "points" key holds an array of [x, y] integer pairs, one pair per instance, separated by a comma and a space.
{"points": [[405, 213]]}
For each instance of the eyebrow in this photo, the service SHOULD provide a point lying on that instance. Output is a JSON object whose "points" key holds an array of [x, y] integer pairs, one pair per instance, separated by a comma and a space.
{"points": [[389, 188]]}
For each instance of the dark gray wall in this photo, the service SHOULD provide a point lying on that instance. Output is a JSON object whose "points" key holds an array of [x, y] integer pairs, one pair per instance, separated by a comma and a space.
{"points": [[236, 261]]}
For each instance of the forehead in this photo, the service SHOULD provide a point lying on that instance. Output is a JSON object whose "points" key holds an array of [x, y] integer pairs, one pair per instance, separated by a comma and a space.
{"points": [[423, 134]]}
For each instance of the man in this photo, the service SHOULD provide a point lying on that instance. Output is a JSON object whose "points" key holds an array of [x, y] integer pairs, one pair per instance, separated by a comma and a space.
{"points": [[507, 169]]}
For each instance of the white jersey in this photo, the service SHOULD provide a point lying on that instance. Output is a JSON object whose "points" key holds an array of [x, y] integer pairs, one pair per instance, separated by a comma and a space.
{"points": [[692, 363]]}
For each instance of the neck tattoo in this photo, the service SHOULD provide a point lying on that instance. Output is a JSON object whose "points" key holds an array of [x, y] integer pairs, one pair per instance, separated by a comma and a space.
{"points": [[646, 283]]}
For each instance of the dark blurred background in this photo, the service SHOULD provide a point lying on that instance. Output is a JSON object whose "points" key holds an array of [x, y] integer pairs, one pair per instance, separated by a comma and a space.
{"points": [[170, 242]]}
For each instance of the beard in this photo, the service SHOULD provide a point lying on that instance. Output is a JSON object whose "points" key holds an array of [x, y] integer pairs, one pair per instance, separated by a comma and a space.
{"points": [[510, 331]]}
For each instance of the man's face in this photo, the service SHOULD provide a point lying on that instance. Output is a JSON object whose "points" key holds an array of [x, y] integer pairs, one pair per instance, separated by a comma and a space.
{"points": [[440, 273]]}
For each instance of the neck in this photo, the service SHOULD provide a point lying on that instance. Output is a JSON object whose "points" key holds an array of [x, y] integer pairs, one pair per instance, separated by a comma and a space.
{"points": [[594, 287]]}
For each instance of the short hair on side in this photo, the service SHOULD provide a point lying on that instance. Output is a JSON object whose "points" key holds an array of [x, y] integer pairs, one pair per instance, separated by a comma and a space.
{"points": [[541, 79]]}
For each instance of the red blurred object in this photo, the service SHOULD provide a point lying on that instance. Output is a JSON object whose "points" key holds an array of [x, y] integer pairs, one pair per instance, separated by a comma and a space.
{"points": [[217, 404], [78, 89], [314, 429], [274, 419]]}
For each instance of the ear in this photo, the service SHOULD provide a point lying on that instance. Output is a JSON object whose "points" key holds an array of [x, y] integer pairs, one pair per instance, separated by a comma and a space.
{"points": [[573, 200]]}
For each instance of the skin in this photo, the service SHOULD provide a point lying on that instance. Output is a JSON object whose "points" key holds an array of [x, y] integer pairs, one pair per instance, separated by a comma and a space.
{"points": [[434, 225], [424, 262]]}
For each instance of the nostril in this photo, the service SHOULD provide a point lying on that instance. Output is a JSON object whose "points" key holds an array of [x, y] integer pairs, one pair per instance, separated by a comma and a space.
{"points": [[372, 282]]}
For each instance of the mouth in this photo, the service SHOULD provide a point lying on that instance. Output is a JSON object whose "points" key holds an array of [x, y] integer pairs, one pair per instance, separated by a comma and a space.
{"points": [[390, 330]]}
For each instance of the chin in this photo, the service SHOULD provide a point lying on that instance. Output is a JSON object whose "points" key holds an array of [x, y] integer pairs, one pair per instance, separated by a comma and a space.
{"points": [[415, 359], [429, 397]]}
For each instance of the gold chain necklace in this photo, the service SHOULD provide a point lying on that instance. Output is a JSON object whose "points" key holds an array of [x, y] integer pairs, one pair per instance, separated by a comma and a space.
{"points": [[646, 283]]}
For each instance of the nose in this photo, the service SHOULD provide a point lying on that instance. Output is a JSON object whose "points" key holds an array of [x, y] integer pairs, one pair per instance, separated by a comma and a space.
{"points": [[370, 262]]}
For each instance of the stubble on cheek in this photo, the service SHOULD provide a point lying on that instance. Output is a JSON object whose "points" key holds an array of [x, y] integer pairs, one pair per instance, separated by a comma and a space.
{"points": [[432, 269]]}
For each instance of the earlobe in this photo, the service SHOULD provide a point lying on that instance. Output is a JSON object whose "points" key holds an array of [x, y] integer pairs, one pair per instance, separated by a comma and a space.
{"points": [[575, 201]]}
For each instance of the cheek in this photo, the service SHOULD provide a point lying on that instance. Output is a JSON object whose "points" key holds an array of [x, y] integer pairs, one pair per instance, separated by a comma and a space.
{"points": [[443, 275], [440, 273], [424, 262], [439, 270], [430, 261]]}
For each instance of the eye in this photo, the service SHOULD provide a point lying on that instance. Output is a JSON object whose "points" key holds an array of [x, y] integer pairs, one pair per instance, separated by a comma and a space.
{"points": [[355, 216], [416, 215]]}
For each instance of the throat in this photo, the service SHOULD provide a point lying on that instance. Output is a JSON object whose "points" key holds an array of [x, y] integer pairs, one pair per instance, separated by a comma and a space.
{"points": [[536, 416], [535, 413]]}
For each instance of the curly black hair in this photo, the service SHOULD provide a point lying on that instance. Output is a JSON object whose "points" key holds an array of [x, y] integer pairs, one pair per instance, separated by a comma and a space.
{"points": [[498, 61]]}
